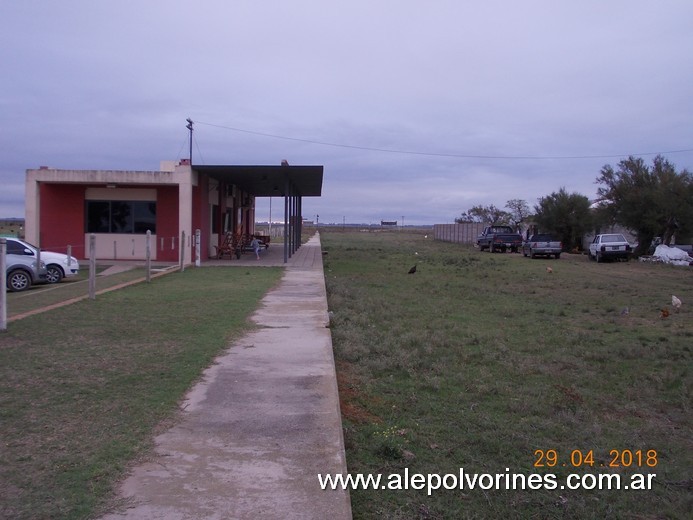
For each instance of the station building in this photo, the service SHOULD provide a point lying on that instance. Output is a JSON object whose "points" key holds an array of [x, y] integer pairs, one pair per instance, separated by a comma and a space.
{"points": [[65, 207]]}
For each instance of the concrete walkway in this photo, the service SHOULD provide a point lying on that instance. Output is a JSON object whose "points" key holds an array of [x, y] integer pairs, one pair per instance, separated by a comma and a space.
{"points": [[263, 423]]}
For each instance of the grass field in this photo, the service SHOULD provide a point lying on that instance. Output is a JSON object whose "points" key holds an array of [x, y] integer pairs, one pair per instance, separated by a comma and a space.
{"points": [[490, 363], [45, 295], [84, 388]]}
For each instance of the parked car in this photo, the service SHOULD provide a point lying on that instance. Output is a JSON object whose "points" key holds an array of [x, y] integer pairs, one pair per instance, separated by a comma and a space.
{"points": [[610, 246], [58, 265], [22, 272], [542, 245]]}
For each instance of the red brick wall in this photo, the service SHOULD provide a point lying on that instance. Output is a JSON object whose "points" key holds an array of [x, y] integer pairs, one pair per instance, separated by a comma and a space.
{"points": [[167, 223], [61, 218], [201, 215]]}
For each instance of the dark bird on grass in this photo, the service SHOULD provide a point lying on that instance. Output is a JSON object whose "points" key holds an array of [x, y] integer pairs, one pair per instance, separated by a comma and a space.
{"points": [[412, 270]]}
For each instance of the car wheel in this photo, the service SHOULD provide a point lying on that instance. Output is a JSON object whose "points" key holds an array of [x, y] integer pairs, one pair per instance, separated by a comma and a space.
{"points": [[54, 274], [532, 254], [558, 255], [18, 280], [598, 257]]}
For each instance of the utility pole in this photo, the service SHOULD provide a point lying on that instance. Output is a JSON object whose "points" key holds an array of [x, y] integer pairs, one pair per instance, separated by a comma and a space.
{"points": [[189, 126], [269, 225]]}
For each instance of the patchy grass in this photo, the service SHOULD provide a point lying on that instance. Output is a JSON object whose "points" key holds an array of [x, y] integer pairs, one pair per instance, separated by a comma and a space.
{"points": [[83, 388], [478, 360], [44, 295]]}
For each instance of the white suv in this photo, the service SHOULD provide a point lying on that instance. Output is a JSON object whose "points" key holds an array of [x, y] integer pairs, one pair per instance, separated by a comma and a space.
{"points": [[58, 265], [612, 245]]}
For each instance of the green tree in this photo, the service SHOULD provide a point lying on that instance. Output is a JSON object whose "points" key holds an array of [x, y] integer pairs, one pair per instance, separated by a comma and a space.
{"points": [[652, 201], [490, 214], [519, 212], [565, 215]]}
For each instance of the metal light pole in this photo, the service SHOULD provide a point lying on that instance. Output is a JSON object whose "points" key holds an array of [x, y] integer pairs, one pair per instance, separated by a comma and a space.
{"points": [[189, 126]]}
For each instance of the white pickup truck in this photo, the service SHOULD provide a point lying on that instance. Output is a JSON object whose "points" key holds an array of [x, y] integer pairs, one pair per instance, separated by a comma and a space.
{"points": [[610, 246]]}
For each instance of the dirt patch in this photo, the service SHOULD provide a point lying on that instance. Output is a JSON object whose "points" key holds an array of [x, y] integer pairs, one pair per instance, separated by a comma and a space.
{"points": [[350, 397]]}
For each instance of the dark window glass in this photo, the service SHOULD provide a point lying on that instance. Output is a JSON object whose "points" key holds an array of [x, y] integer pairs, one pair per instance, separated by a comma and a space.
{"points": [[144, 214], [215, 218], [15, 248], [98, 216], [119, 216]]}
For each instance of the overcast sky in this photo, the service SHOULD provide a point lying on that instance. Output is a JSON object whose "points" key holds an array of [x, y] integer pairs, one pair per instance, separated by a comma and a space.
{"points": [[416, 109]]}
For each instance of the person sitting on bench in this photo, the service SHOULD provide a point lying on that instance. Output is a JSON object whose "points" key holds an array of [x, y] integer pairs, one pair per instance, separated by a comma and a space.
{"points": [[255, 244]]}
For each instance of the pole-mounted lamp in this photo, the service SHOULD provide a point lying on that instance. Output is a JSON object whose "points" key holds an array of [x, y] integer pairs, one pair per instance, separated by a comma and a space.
{"points": [[189, 126]]}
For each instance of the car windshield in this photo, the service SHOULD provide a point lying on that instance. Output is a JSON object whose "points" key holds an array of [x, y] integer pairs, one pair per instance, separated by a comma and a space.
{"points": [[613, 238]]}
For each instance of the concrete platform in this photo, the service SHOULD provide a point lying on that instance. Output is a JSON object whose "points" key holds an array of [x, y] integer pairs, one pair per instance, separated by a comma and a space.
{"points": [[263, 423]]}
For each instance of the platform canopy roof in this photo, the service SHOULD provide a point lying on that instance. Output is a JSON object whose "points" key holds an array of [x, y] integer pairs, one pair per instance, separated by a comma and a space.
{"points": [[268, 181]]}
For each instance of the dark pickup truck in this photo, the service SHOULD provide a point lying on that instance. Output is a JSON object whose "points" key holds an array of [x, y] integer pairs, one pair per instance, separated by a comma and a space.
{"points": [[499, 238]]}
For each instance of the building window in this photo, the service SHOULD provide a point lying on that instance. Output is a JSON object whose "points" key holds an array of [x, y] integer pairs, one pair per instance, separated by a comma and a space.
{"points": [[120, 216]]}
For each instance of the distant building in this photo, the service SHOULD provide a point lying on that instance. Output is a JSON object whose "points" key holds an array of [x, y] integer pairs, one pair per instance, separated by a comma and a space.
{"points": [[63, 207], [12, 227]]}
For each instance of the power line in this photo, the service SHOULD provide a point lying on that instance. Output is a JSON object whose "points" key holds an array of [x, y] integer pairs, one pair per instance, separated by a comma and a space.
{"points": [[434, 154]]}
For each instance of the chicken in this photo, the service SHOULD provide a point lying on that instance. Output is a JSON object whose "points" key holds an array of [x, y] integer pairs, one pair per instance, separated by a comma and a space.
{"points": [[412, 270], [664, 313], [675, 303], [549, 270]]}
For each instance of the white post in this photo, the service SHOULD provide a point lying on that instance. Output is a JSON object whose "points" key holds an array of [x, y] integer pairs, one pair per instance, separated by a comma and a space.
{"points": [[197, 248], [3, 288], [148, 255], [182, 251], [92, 266]]}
